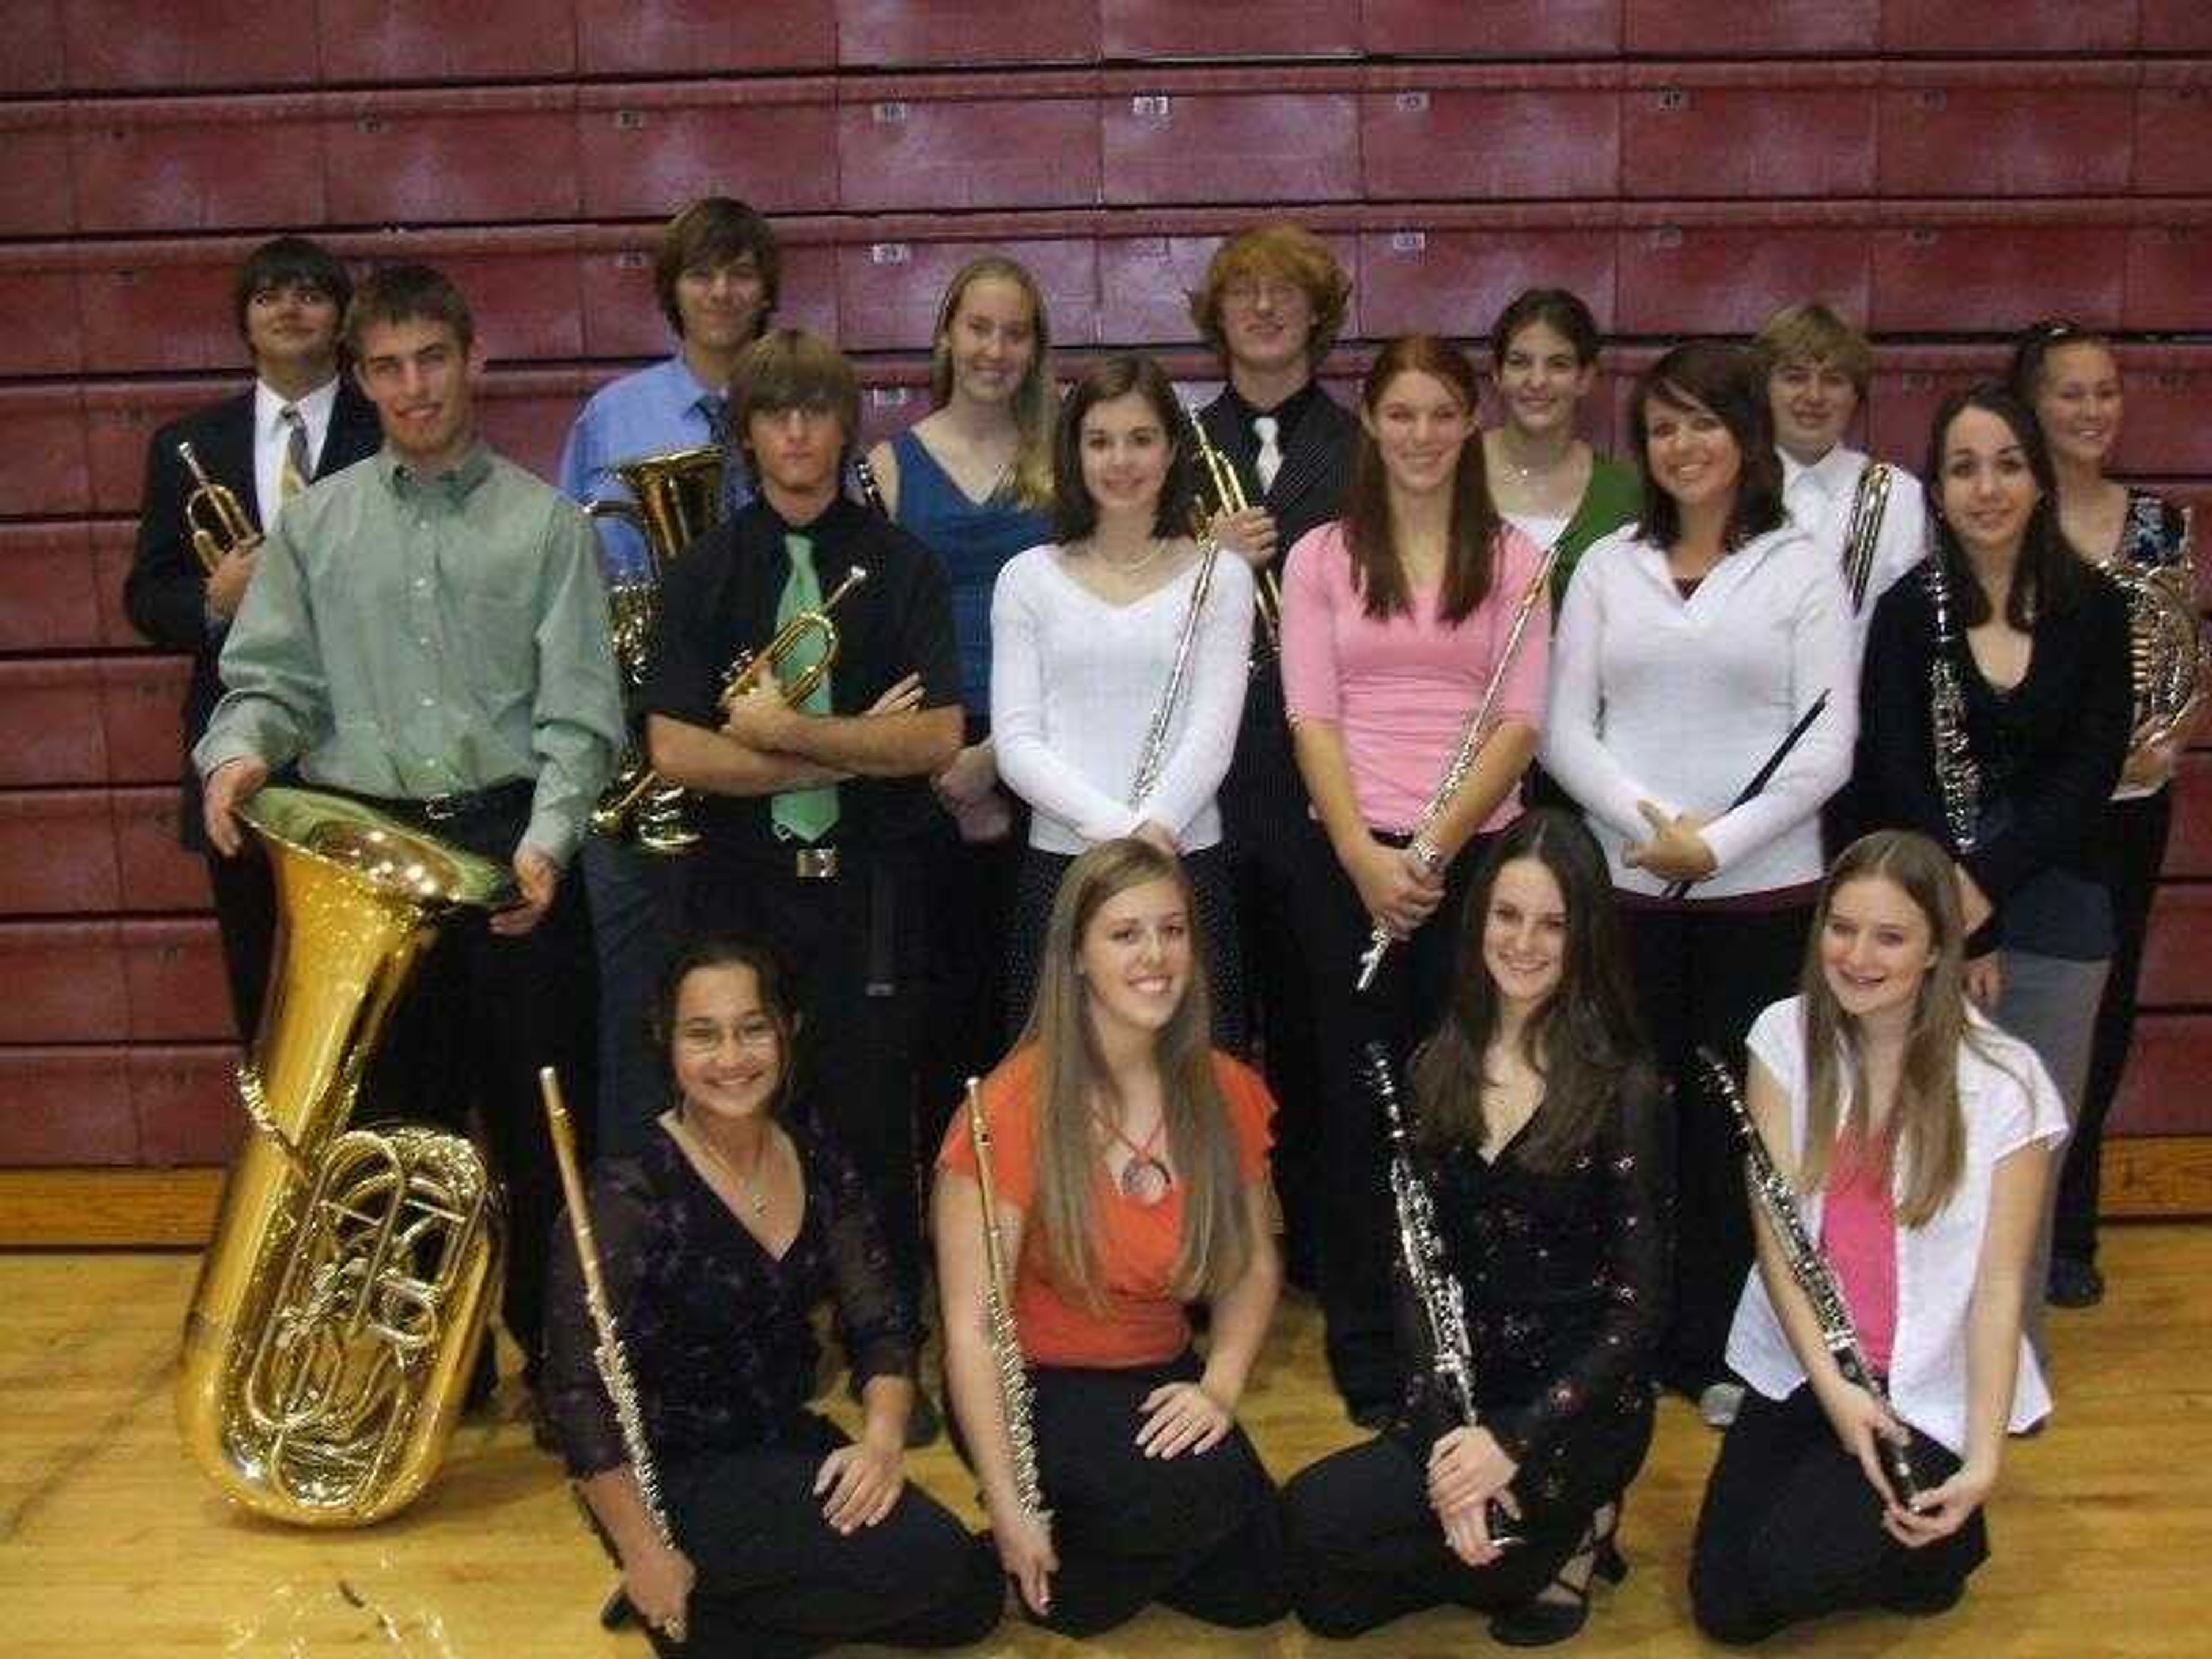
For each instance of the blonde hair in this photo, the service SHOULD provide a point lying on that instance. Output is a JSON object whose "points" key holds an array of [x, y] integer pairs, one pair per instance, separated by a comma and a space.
{"points": [[1072, 1076], [1814, 334], [1035, 401], [1927, 1124]]}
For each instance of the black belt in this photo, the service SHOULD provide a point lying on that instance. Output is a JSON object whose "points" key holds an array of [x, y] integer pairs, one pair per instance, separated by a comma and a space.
{"points": [[501, 799]]}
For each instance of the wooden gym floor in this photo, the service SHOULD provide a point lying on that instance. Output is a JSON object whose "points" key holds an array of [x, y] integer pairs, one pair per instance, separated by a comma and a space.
{"points": [[110, 1543]]}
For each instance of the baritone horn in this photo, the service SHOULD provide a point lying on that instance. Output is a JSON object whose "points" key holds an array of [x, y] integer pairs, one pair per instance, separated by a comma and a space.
{"points": [[217, 519], [1222, 491], [2168, 666], [343, 1297], [675, 497]]}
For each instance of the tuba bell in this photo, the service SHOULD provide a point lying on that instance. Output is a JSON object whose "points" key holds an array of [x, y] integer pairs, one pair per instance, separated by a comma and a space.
{"points": [[675, 497], [343, 1296]]}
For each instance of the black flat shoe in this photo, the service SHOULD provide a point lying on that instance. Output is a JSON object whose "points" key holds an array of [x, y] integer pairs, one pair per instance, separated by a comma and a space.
{"points": [[1538, 1623], [2074, 1283], [1924, 1604]]}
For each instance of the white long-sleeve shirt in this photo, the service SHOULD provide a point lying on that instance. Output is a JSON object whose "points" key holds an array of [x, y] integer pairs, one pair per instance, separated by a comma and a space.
{"points": [[1679, 702], [1820, 497], [1075, 680]]}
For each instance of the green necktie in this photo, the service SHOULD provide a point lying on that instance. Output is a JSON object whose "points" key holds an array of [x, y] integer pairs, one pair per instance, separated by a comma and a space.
{"points": [[803, 814]]}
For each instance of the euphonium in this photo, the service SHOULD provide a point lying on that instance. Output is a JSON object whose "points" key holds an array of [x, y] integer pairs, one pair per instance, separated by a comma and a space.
{"points": [[675, 497], [1221, 491], [743, 675], [217, 519], [343, 1296]]}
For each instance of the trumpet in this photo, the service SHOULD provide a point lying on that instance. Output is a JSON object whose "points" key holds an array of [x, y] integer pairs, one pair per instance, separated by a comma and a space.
{"points": [[747, 673], [218, 523], [1223, 491]]}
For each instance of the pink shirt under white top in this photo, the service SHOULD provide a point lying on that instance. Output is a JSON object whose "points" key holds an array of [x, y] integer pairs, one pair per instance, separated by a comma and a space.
{"points": [[1858, 1235], [1399, 689], [2009, 1102]]}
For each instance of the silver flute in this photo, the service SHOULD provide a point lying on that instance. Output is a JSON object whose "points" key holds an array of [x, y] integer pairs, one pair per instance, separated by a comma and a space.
{"points": [[1153, 755], [1015, 1399], [1810, 1267], [1471, 738], [1421, 1249], [612, 1357], [1958, 775]]}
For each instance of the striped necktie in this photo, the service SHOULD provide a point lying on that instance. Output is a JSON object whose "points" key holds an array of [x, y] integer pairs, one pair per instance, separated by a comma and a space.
{"points": [[805, 815], [294, 469]]}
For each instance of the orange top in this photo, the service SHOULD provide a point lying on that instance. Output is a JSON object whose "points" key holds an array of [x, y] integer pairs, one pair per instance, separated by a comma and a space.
{"points": [[1138, 1321]]}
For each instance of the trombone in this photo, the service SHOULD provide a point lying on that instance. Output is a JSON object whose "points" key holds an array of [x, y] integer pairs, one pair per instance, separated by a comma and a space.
{"points": [[1219, 482], [216, 517]]}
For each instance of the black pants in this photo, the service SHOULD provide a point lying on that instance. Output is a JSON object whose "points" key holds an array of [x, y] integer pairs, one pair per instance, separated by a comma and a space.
{"points": [[2134, 832], [1367, 1548], [1791, 1530], [1702, 977], [854, 948], [971, 890], [1201, 1532], [485, 1012], [245, 921], [776, 1581], [1210, 890], [1267, 866], [1407, 1002]]}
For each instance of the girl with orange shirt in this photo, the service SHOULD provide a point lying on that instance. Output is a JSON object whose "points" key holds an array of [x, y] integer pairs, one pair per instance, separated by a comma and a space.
{"points": [[1128, 1160]]}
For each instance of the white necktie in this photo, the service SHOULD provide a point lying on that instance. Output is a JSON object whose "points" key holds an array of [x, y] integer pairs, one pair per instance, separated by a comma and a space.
{"points": [[1271, 453]]}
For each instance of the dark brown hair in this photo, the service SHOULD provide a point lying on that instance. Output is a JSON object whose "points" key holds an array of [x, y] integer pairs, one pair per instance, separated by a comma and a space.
{"points": [[1726, 380], [1583, 1043], [710, 951], [2031, 352], [790, 368], [713, 231], [284, 262], [2050, 576], [1558, 309], [1074, 514], [1369, 536]]}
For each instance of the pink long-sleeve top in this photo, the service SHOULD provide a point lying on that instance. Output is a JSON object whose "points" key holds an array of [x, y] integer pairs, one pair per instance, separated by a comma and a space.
{"points": [[1399, 689]]}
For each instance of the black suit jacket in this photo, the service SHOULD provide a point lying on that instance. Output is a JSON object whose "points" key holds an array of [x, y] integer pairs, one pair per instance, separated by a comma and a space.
{"points": [[1263, 792], [165, 595]]}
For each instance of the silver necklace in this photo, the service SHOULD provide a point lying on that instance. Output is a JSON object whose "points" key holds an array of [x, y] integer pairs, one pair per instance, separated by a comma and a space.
{"points": [[1136, 566], [755, 1194]]}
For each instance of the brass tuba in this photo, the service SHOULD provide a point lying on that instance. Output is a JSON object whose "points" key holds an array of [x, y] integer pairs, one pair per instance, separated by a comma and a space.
{"points": [[213, 513], [675, 497], [335, 1323]]}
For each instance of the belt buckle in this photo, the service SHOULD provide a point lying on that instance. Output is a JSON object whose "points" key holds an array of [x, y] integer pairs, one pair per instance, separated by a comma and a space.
{"points": [[443, 809], [814, 863]]}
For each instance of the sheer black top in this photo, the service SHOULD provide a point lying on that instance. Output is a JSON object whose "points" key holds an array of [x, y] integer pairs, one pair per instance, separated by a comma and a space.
{"points": [[716, 1328], [1565, 1274]]}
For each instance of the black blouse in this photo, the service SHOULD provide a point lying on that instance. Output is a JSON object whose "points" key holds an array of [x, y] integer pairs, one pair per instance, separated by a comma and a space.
{"points": [[2049, 750], [717, 1331], [1566, 1273]]}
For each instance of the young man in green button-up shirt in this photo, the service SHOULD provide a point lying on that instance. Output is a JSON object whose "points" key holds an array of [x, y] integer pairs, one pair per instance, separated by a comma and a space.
{"points": [[428, 632]]}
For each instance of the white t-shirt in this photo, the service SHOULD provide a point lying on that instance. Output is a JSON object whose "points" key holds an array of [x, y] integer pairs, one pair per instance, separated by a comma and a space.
{"points": [[1679, 702], [1075, 682], [2009, 1102]]}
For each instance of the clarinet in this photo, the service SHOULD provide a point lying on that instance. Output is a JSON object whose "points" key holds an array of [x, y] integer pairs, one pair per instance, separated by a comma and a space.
{"points": [[1958, 775], [1421, 1249], [1007, 1369], [1152, 756], [612, 1357], [1810, 1267], [1470, 745]]}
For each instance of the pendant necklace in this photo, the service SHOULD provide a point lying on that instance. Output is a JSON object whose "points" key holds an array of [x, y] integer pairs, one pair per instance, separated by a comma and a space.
{"points": [[755, 1194], [1145, 1178]]}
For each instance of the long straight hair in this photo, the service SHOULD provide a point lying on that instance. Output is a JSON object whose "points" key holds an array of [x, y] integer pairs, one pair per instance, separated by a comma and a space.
{"points": [[1928, 1126], [1369, 535], [2050, 576], [1583, 1043], [1035, 400], [1073, 1079]]}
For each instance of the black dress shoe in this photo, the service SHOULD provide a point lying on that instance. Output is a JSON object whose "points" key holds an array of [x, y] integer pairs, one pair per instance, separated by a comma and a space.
{"points": [[2074, 1283]]}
